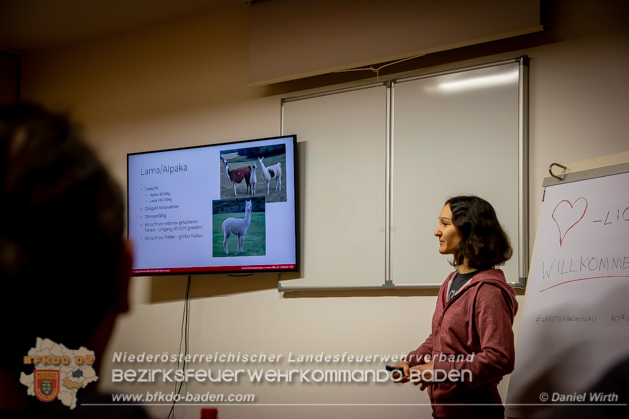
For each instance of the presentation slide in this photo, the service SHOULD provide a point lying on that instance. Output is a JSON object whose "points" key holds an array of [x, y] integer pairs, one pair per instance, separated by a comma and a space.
{"points": [[219, 208]]}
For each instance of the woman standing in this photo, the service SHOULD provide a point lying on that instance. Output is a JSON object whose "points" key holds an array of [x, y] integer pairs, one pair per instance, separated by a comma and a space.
{"points": [[471, 345]]}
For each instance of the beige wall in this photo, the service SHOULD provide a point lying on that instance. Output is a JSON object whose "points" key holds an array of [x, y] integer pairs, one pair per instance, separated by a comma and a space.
{"points": [[184, 84]]}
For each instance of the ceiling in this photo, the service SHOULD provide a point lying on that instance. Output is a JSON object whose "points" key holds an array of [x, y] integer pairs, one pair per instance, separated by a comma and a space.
{"points": [[28, 25]]}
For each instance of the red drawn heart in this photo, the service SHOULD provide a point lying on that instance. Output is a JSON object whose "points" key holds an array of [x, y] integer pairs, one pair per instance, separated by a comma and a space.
{"points": [[566, 215]]}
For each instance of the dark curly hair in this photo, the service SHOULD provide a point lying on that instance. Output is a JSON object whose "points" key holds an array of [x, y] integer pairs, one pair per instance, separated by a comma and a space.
{"points": [[62, 233], [485, 244]]}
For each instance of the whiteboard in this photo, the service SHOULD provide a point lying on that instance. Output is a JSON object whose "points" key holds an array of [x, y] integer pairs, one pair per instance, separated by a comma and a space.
{"points": [[575, 325], [454, 134], [341, 158], [393, 152]]}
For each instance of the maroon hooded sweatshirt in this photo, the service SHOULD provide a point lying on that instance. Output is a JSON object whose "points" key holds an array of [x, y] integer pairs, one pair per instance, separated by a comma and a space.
{"points": [[471, 343]]}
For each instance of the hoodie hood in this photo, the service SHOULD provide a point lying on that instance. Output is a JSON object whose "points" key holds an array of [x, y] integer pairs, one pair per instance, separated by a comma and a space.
{"points": [[496, 278], [492, 278]]}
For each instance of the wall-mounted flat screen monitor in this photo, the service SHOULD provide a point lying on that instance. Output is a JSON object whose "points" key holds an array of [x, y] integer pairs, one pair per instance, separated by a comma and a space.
{"points": [[220, 208]]}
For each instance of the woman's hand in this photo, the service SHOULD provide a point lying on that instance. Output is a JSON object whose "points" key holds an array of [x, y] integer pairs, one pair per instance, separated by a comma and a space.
{"points": [[422, 374], [404, 366]]}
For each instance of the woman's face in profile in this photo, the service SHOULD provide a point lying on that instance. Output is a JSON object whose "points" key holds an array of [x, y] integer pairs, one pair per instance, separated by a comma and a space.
{"points": [[449, 236]]}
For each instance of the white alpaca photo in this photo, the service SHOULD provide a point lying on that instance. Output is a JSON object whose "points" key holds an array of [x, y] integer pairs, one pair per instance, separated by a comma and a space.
{"points": [[238, 227], [272, 172]]}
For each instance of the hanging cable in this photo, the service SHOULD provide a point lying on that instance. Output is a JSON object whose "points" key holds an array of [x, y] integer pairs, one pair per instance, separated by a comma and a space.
{"points": [[185, 341], [377, 70]]}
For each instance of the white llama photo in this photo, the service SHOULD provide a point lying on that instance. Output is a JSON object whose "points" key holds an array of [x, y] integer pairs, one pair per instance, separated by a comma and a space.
{"points": [[239, 227], [271, 174]]}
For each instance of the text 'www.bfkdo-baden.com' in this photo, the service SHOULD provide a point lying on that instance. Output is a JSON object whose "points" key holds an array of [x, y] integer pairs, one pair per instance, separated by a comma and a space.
{"points": [[158, 397]]}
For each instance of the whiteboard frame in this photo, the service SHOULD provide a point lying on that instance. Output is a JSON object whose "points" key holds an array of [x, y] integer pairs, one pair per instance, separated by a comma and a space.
{"points": [[523, 171], [315, 94]]}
